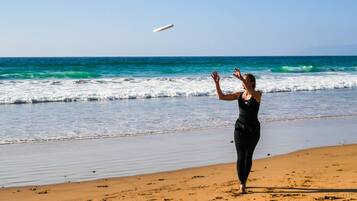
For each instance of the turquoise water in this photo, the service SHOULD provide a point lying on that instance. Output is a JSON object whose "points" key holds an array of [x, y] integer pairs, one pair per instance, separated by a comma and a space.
{"points": [[38, 80], [83, 68]]}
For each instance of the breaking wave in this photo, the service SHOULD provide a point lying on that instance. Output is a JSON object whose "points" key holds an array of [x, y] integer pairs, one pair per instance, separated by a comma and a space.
{"points": [[103, 89]]}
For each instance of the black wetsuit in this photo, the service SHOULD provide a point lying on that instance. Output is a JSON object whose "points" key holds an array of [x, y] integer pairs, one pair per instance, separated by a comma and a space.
{"points": [[246, 135]]}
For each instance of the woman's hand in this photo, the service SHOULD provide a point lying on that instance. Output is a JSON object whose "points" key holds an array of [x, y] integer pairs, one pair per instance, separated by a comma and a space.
{"points": [[215, 77], [221, 96], [237, 74]]}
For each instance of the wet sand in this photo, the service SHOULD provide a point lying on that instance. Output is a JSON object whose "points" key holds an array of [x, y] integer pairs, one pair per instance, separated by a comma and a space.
{"points": [[325, 173]]}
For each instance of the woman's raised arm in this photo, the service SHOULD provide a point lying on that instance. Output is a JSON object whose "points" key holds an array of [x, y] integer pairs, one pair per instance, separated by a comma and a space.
{"points": [[221, 96]]}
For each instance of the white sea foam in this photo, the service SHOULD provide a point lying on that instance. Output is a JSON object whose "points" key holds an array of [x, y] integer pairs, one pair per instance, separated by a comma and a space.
{"points": [[34, 91]]}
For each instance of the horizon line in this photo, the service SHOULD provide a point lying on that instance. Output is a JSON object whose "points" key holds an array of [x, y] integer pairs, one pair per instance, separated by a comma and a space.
{"points": [[143, 56]]}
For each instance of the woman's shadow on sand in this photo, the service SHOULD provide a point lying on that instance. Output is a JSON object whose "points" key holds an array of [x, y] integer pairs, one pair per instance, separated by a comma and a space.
{"points": [[302, 190]]}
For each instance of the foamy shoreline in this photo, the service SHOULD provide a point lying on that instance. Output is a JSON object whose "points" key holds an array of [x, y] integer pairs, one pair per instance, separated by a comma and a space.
{"points": [[93, 120]]}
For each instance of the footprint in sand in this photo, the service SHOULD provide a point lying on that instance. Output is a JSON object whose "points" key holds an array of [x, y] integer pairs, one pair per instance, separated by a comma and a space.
{"points": [[328, 197], [197, 176], [144, 194], [306, 183], [102, 186], [42, 192], [233, 192]]}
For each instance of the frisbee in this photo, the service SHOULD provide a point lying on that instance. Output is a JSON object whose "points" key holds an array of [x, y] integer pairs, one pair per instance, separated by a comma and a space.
{"points": [[163, 28]]}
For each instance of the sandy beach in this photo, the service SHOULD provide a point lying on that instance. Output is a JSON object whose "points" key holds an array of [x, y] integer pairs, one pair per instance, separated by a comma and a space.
{"points": [[161, 101], [325, 173]]}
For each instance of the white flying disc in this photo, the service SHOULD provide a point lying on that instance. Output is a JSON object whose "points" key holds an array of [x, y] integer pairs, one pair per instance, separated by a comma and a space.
{"points": [[163, 28]]}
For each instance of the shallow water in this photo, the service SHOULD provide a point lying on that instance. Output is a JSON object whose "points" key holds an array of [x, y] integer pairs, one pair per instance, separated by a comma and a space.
{"points": [[54, 162]]}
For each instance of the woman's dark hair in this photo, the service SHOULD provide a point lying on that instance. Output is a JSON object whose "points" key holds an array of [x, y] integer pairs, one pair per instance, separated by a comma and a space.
{"points": [[251, 78]]}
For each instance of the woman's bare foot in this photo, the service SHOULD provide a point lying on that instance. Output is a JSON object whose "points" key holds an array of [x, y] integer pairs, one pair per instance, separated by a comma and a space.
{"points": [[243, 189]]}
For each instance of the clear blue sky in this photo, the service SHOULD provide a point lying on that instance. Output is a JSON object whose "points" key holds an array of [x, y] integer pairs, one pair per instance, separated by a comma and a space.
{"points": [[202, 27]]}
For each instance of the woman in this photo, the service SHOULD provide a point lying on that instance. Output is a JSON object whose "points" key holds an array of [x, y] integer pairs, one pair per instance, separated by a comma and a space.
{"points": [[247, 126]]}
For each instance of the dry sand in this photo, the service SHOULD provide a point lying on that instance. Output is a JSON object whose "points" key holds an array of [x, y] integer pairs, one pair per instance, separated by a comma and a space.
{"points": [[328, 173]]}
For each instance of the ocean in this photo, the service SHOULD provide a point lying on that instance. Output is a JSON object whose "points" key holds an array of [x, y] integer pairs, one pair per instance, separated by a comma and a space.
{"points": [[51, 99]]}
